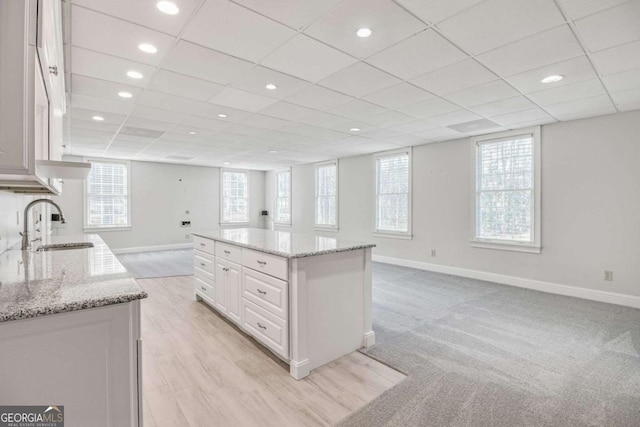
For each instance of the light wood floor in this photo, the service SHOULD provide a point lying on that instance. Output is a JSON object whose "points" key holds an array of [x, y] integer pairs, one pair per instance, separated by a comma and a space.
{"points": [[199, 370]]}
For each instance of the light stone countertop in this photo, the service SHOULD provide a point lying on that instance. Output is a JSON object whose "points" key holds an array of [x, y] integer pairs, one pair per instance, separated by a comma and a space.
{"points": [[282, 243], [34, 284]]}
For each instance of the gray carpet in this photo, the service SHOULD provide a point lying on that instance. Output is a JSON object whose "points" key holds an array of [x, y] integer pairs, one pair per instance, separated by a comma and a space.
{"points": [[483, 354], [145, 265]]}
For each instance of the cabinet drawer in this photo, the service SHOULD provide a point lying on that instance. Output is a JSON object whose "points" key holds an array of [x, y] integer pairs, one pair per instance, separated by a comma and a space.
{"points": [[268, 264], [268, 292], [204, 288], [205, 277], [204, 245], [204, 263], [266, 328], [229, 252]]}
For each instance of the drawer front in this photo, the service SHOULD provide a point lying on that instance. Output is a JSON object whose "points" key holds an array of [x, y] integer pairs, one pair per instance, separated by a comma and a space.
{"points": [[204, 288], [268, 292], [266, 328], [204, 263], [229, 252], [204, 245], [205, 277], [265, 263]]}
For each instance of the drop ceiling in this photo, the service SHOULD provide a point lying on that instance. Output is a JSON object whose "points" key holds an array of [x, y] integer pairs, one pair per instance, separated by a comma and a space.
{"points": [[432, 70]]}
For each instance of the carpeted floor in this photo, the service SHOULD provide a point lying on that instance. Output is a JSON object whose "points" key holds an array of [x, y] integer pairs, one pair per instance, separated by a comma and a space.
{"points": [[483, 354], [145, 265]]}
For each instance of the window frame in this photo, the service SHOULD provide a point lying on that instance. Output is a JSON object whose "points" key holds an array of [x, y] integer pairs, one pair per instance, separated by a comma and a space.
{"points": [[531, 247], [222, 222], [385, 233], [99, 228], [323, 227], [275, 199]]}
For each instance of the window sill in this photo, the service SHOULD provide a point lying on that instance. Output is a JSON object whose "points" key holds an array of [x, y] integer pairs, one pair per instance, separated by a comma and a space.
{"points": [[101, 229], [331, 229], [278, 224], [402, 236], [506, 247], [234, 224]]}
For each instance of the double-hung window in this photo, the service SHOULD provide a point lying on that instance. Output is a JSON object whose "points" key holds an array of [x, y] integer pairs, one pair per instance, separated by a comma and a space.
{"points": [[107, 203], [235, 197], [507, 191], [282, 214], [326, 211], [393, 193]]}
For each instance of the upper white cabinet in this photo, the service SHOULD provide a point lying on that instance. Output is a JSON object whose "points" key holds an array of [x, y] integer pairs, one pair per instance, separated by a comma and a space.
{"points": [[32, 93]]}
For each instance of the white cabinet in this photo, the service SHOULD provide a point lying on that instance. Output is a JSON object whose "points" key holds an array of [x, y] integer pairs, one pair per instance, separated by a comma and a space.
{"points": [[33, 93], [227, 299]]}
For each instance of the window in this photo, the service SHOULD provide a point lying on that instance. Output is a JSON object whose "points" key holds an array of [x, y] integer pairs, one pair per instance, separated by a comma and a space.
{"points": [[507, 196], [107, 195], [282, 213], [235, 197], [327, 195], [393, 193]]}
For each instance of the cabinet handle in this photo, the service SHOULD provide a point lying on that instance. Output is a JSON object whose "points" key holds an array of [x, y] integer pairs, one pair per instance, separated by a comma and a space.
{"points": [[262, 262], [203, 245], [225, 269], [203, 288], [227, 252], [260, 326], [54, 70], [260, 291], [203, 264]]}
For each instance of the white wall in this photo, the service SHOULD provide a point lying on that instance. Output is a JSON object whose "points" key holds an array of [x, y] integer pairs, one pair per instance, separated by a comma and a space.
{"points": [[160, 195], [590, 206], [10, 223]]}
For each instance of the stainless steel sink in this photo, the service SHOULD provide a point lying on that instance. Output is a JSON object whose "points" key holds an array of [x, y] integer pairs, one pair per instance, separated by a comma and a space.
{"points": [[65, 246]]}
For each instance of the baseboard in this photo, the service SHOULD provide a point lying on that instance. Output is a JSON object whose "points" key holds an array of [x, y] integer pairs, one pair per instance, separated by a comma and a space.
{"points": [[152, 248], [552, 288]]}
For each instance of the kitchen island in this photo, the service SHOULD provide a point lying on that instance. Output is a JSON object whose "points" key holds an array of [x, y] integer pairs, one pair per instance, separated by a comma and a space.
{"points": [[70, 332], [306, 298]]}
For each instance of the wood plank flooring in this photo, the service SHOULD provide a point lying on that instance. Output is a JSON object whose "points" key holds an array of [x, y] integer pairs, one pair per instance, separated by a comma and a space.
{"points": [[199, 370]]}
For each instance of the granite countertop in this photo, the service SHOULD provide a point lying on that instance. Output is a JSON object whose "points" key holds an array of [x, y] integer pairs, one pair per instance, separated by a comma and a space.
{"points": [[282, 243], [34, 284]]}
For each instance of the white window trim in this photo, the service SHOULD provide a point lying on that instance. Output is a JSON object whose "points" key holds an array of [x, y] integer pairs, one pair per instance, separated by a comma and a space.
{"points": [[221, 201], [393, 234], [85, 192], [275, 199], [536, 245], [322, 227]]}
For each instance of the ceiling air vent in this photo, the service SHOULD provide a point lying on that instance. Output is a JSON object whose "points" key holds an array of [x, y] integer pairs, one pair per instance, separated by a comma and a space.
{"points": [[179, 158], [474, 126], [141, 133]]}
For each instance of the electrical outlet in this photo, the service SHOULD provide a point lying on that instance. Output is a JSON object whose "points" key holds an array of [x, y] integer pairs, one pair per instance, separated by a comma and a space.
{"points": [[608, 275], [433, 253], [185, 223]]}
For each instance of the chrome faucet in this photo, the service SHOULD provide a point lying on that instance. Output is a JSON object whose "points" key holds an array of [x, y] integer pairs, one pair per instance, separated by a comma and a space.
{"points": [[25, 232]]}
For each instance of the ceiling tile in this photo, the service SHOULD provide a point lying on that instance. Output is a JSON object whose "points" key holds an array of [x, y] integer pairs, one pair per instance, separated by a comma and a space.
{"points": [[417, 55], [233, 29], [494, 23], [389, 22], [627, 100], [622, 24], [585, 89], [99, 105], [256, 80], [79, 113], [143, 124], [623, 81], [88, 29], [265, 122], [197, 61], [454, 77], [382, 134], [82, 85], [505, 106], [194, 122], [307, 59], [319, 98], [84, 122], [188, 87], [577, 9], [151, 113], [287, 111], [439, 134], [618, 59], [242, 100], [434, 11], [324, 120], [106, 67], [414, 126], [365, 128], [212, 111], [388, 118], [521, 116], [358, 80], [167, 102], [574, 70], [431, 107], [398, 96], [533, 52], [409, 140], [144, 12], [581, 108], [454, 117], [482, 94], [356, 109], [294, 13]]}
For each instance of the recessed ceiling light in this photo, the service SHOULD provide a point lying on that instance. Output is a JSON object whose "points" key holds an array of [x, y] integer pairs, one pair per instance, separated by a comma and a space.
{"points": [[192, 133], [148, 48], [125, 94], [355, 129], [364, 32], [552, 79], [273, 152], [226, 163], [167, 7], [271, 86], [98, 118], [222, 116], [134, 74]]}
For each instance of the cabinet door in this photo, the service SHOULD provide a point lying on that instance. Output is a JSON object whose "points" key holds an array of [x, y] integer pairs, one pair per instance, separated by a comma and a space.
{"points": [[221, 291], [41, 117], [232, 280]]}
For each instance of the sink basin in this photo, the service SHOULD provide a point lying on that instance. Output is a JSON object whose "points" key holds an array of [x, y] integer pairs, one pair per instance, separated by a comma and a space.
{"points": [[65, 246]]}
